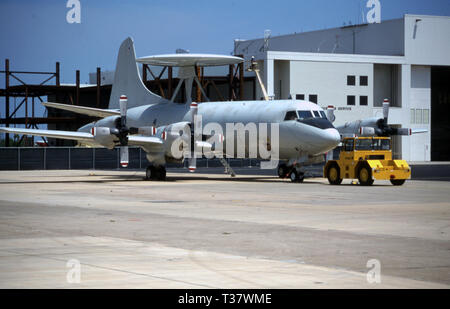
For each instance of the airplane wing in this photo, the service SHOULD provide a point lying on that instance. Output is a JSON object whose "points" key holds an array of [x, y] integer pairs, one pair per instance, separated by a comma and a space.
{"points": [[140, 140], [137, 140], [79, 136], [90, 111]]}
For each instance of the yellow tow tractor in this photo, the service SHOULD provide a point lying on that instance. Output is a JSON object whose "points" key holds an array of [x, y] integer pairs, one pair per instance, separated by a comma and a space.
{"points": [[366, 159]]}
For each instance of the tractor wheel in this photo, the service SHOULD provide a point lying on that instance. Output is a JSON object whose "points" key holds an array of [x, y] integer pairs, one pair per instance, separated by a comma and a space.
{"points": [[365, 176], [398, 182], [333, 175]]}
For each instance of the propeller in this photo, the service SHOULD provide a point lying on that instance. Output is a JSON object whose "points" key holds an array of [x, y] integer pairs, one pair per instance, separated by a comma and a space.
{"points": [[193, 156], [121, 131], [330, 113], [383, 129]]}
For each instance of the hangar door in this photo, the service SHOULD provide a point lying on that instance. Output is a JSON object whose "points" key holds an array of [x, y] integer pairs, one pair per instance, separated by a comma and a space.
{"points": [[440, 114]]}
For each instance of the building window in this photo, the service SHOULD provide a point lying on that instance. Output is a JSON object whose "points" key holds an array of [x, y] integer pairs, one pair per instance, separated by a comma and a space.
{"points": [[350, 100], [351, 80], [300, 96], [363, 100], [413, 115], [418, 115], [313, 98], [363, 80], [426, 116]]}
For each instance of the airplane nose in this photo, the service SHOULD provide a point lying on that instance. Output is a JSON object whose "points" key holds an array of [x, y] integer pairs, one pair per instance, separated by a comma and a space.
{"points": [[332, 138]]}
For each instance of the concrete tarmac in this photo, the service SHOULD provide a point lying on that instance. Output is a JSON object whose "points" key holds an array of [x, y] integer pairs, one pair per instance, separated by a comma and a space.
{"points": [[212, 231]]}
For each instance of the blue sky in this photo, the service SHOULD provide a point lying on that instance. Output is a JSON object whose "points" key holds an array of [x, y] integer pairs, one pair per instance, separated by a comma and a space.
{"points": [[35, 34]]}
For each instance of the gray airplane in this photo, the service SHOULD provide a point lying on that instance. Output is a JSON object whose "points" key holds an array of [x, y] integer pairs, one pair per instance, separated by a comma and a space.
{"points": [[138, 117]]}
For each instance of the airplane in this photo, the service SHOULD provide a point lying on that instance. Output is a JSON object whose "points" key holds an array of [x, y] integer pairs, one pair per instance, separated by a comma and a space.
{"points": [[138, 117]]}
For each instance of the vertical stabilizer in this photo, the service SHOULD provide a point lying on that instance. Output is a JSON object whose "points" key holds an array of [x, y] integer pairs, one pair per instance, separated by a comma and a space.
{"points": [[127, 80]]}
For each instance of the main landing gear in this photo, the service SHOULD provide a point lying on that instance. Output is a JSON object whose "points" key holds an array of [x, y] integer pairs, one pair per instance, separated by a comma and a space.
{"points": [[155, 173]]}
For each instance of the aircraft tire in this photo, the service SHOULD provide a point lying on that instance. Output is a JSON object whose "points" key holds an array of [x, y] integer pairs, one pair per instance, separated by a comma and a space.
{"points": [[161, 174], [296, 176], [148, 173], [282, 170]]}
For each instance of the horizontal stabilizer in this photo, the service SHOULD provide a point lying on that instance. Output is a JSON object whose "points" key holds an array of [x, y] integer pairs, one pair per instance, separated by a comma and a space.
{"points": [[90, 111]]}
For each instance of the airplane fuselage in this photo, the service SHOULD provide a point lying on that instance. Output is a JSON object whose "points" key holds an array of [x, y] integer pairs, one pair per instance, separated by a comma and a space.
{"points": [[297, 138]]}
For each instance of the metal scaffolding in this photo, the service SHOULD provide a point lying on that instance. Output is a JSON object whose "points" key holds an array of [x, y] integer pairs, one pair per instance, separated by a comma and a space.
{"points": [[97, 95]]}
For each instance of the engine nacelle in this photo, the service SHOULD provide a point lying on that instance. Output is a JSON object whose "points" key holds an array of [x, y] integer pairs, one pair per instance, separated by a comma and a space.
{"points": [[104, 137], [177, 139], [366, 131]]}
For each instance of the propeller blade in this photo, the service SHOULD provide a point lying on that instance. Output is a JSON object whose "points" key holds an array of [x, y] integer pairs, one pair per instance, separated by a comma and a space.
{"points": [[403, 131], [415, 131], [192, 164], [193, 158], [194, 110], [124, 156], [123, 110], [330, 113], [385, 110]]}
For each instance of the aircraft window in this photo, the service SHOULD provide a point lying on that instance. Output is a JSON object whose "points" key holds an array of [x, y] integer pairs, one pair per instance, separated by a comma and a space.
{"points": [[316, 114], [322, 114], [363, 144], [304, 114], [348, 146], [381, 144], [292, 115]]}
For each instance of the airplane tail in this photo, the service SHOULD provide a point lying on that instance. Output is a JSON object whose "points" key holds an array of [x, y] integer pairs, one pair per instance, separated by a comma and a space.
{"points": [[127, 80]]}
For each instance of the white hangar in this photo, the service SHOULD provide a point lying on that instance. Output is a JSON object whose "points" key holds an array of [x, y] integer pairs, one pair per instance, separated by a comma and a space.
{"points": [[354, 68]]}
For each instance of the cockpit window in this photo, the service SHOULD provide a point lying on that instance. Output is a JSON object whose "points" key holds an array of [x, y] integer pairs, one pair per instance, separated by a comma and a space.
{"points": [[316, 114], [304, 114], [322, 114], [292, 115]]}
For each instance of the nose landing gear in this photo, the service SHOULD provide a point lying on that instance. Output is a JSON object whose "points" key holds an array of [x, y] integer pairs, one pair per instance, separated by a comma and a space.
{"points": [[297, 176], [155, 173], [291, 172]]}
